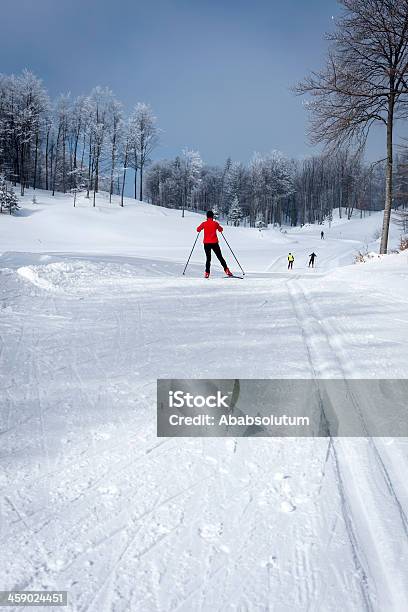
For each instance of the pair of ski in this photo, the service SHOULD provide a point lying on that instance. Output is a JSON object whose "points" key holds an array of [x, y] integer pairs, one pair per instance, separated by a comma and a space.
{"points": [[232, 276]]}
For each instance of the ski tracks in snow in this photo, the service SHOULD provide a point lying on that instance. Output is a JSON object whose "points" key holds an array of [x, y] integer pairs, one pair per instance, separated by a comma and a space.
{"points": [[371, 509], [127, 522]]}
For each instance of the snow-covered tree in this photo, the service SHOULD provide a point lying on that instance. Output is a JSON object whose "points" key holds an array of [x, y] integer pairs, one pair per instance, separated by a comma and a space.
{"points": [[79, 125], [272, 178], [12, 204], [63, 117], [190, 171], [164, 183], [224, 200], [79, 181], [260, 222], [124, 157], [116, 135], [143, 138], [8, 199], [26, 102], [400, 218], [102, 101], [235, 213], [230, 184], [3, 192]]}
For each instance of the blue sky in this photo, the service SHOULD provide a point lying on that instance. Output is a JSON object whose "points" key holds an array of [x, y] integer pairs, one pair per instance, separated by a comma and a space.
{"points": [[217, 73]]}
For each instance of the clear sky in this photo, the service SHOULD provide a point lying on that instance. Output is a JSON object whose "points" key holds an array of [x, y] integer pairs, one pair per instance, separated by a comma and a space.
{"points": [[216, 72]]}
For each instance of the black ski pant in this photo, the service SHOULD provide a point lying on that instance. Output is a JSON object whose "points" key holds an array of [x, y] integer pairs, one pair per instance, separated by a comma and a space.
{"points": [[213, 246], [311, 262], [290, 265]]}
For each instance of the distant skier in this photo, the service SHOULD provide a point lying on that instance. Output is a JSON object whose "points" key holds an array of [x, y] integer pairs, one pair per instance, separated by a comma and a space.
{"points": [[322, 235], [210, 228], [291, 259], [312, 259]]}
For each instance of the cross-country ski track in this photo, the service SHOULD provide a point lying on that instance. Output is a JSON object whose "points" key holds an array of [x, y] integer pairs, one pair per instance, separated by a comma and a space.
{"points": [[94, 503]]}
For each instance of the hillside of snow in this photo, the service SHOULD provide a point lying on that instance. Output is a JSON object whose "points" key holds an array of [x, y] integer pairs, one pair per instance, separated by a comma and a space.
{"points": [[138, 229], [94, 308]]}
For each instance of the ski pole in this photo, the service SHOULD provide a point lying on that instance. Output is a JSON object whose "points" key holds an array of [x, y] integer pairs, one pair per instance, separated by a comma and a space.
{"points": [[233, 254], [189, 257]]}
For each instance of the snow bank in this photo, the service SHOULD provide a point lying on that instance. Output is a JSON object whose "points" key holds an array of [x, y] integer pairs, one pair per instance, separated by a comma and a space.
{"points": [[378, 274], [83, 276]]}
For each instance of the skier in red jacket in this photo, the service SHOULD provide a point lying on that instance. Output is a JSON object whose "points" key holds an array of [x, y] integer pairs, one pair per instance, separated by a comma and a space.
{"points": [[210, 228]]}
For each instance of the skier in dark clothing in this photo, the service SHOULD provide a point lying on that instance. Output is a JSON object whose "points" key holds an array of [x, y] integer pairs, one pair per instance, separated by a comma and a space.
{"points": [[322, 235], [210, 228], [312, 259]]}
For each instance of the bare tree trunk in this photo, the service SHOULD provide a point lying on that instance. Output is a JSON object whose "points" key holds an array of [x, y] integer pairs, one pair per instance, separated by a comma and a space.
{"points": [[46, 160], [54, 177], [22, 170], [27, 169], [63, 161], [96, 181], [124, 173], [51, 163], [75, 153], [123, 186], [141, 182], [184, 199], [341, 200], [35, 161], [113, 157], [89, 166], [83, 152], [388, 180], [135, 176]]}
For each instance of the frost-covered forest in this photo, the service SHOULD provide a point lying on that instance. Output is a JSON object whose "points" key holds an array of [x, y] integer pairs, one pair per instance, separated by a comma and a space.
{"points": [[85, 143], [272, 188], [88, 144]]}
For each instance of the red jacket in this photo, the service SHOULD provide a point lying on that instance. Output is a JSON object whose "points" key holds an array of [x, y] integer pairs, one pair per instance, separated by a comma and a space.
{"points": [[210, 228]]}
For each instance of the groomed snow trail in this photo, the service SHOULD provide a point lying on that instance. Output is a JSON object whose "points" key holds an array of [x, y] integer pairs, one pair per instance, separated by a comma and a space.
{"points": [[371, 508], [94, 503]]}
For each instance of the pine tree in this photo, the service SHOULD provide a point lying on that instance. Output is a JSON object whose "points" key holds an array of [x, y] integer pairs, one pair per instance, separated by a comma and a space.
{"points": [[235, 213], [3, 193], [11, 201]]}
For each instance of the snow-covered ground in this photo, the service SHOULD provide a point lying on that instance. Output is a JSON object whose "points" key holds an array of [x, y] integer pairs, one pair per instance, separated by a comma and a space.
{"points": [[93, 310]]}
